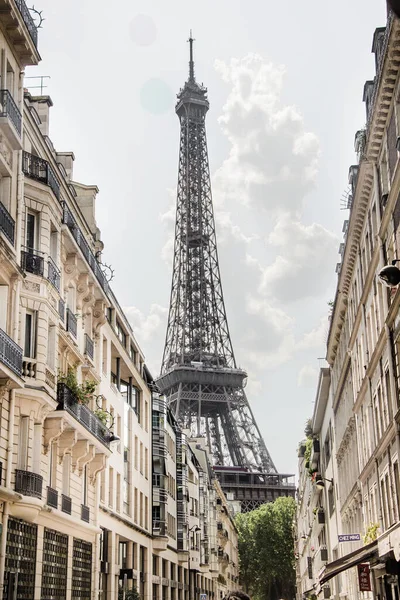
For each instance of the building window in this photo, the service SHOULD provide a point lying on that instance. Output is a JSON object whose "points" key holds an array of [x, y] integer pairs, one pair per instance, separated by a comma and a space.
{"points": [[30, 334], [31, 237], [51, 346], [23, 441], [121, 335]]}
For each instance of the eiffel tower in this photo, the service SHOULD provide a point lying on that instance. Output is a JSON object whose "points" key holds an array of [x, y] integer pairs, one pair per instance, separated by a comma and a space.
{"points": [[199, 376]]}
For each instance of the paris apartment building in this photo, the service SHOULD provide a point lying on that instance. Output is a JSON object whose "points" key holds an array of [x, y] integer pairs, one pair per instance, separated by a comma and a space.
{"points": [[349, 483], [99, 488]]}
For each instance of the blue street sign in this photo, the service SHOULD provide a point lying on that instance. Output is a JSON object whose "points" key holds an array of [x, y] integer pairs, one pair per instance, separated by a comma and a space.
{"points": [[349, 537]]}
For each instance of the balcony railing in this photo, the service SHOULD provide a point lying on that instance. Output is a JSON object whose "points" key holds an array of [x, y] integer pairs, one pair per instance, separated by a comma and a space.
{"points": [[9, 109], [52, 497], [89, 346], [7, 224], [32, 261], [10, 353], [39, 169], [159, 527], [53, 274], [66, 504], [85, 513], [68, 219], [72, 323], [68, 401], [28, 483], [27, 18]]}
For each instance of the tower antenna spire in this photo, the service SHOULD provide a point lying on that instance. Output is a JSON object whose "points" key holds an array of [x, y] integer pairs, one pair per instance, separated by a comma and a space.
{"points": [[191, 62]]}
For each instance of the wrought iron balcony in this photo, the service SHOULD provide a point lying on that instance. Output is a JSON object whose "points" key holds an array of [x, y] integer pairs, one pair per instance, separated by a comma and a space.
{"points": [[52, 497], [53, 274], [32, 261], [68, 219], [66, 504], [72, 323], [39, 169], [7, 224], [85, 513], [28, 483], [27, 18], [89, 346], [69, 402], [10, 353], [9, 109]]}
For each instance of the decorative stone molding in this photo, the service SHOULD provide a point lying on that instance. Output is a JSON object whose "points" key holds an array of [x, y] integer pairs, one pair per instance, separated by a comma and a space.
{"points": [[70, 269], [31, 286], [87, 458], [79, 452], [99, 315], [53, 429], [66, 442], [5, 387], [97, 465], [347, 436]]}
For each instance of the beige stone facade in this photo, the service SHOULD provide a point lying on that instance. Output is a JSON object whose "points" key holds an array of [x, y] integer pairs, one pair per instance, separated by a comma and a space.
{"points": [[78, 476], [358, 428]]}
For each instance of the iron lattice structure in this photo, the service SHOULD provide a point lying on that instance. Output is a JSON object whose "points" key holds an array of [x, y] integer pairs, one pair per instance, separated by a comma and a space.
{"points": [[199, 375]]}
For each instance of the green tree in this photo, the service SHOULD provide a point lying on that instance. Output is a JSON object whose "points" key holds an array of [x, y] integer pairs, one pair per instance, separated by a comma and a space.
{"points": [[266, 550]]}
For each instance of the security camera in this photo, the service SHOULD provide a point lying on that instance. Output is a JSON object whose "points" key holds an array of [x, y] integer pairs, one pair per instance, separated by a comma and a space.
{"points": [[395, 6], [390, 275]]}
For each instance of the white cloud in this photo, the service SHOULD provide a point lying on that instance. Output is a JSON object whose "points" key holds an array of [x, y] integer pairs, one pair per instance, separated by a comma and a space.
{"points": [[316, 338], [307, 377], [273, 160], [303, 266], [267, 338], [146, 327]]}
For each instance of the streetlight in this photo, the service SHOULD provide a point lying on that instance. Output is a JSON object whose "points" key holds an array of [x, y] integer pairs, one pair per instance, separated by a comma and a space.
{"points": [[319, 482]]}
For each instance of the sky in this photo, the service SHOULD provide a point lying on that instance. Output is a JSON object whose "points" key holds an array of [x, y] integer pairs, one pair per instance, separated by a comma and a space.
{"points": [[285, 83]]}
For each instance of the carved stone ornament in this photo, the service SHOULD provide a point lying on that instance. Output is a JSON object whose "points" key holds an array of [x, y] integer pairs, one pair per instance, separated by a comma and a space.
{"points": [[31, 286], [5, 387]]}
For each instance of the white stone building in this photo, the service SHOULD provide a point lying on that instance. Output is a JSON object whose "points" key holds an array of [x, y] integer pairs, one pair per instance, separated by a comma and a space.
{"points": [[77, 406], [362, 410]]}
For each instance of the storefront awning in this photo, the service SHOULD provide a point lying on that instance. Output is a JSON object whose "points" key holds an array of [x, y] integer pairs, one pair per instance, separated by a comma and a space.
{"points": [[349, 560]]}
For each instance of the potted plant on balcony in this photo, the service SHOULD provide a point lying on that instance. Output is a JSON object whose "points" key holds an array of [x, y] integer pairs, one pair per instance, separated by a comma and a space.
{"points": [[83, 392], [102, 415]]}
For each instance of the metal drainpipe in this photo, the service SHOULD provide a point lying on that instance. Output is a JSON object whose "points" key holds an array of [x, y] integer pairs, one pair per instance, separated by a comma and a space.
{"points": [[20, 206], [16, 311], [6, 509], [97, 547]]}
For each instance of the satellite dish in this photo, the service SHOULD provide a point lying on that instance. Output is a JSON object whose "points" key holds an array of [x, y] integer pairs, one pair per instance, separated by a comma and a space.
{"points": [[395, 6], [389, 276]]}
